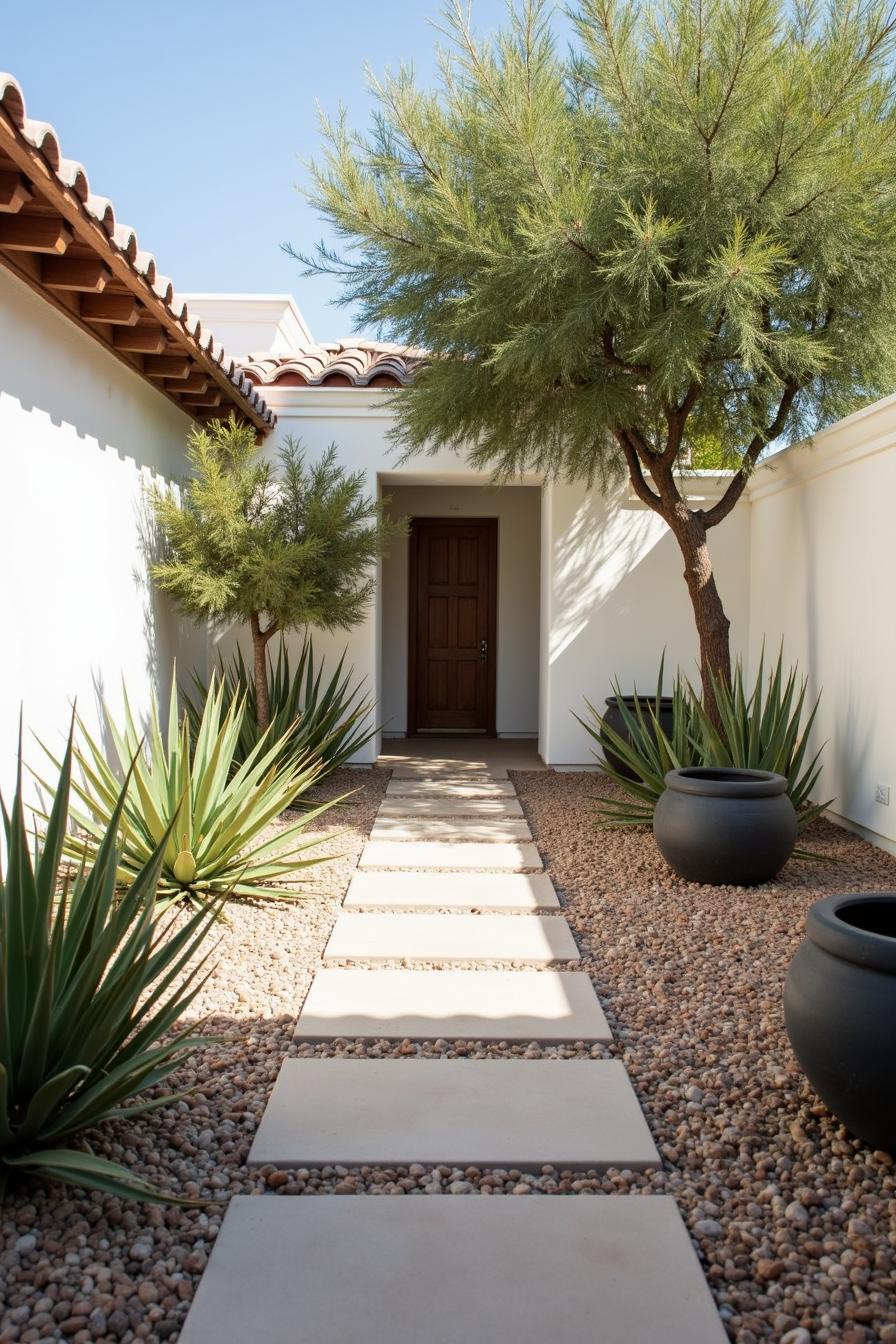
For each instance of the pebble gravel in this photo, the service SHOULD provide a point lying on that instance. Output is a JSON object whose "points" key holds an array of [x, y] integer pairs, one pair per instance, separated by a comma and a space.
{"points": [[794, 1221]]}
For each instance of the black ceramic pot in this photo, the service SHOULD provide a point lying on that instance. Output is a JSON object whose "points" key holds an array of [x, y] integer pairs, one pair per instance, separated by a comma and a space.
{"points": [[725, 827], [613, 717], [840, 1011]]}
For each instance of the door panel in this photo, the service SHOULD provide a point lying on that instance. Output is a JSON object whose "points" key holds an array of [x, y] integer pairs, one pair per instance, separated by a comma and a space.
{"points": [[453, 586]]}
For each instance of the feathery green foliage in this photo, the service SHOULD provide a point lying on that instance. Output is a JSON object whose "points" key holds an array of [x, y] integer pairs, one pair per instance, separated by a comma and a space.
{"points": [[682, 231], [327, 721], [759, 729], [184, 795], [90, 981], [276, 549]]}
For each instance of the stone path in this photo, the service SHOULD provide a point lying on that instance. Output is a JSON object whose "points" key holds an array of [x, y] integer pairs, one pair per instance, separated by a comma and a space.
{"points": [[451, 874], [543, 1006], [511, 893]]}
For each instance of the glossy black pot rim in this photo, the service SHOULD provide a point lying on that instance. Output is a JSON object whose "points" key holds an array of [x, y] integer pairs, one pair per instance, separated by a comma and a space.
{"points": [[719, 781], [828, 926], [666, 701]]}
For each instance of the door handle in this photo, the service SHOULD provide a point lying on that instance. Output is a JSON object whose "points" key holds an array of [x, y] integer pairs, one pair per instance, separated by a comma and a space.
{"points": [[483, 651]]}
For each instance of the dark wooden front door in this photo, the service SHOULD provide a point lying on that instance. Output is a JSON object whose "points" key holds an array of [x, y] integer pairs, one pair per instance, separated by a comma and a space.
{"points": [[453, 602]]}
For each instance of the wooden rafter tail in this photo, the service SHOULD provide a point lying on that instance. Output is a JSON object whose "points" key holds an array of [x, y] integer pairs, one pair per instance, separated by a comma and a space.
{"points": [[14, 193], [116, 309], [34, 233], [168, 366], [142, 340], [197, 382], [85, 274]]}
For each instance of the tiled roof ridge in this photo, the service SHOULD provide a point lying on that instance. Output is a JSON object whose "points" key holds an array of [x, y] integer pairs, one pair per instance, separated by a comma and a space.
{"points": [[70, 174], [355, 362]]}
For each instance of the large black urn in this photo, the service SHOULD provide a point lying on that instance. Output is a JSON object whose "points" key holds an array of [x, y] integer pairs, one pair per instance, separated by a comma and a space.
{"points": [[615, 719], [840, 1011], [723, 826]]}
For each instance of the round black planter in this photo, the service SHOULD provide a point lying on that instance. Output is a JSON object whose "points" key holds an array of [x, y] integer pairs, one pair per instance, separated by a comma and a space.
{"points": [[613, 717], [725, 827], [840, 1007]]}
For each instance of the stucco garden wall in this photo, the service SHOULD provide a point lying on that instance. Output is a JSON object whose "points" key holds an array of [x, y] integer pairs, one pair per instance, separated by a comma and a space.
{"points": [[616, 598], [79, 436], [821, 541]]}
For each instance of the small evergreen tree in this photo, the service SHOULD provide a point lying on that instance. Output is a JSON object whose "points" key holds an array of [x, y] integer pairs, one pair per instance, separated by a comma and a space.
{"points": [[275, 550], [681, 233]]}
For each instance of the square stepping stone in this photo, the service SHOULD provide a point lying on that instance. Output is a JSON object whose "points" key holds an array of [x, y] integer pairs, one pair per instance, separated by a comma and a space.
{"points": [[448, 855], [609, 1270], [512, 893], [474, 770], [578, 1113], [450, 807], [457, 1005], [449, 788], [483, 830], [537, 940]]}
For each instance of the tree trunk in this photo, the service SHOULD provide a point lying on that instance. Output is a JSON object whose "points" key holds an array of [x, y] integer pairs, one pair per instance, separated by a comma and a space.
{"points": [[262, 700], [709, 614]]}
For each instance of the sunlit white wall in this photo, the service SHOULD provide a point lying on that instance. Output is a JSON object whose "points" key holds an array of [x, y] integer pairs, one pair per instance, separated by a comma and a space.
{"points": [[617, 599], [80, 437], [822, 578]]}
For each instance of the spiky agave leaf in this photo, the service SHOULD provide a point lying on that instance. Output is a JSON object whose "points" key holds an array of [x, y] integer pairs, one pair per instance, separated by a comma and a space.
{"points": [[760, 728], [91, 984], [329, 719], [188, 790]]}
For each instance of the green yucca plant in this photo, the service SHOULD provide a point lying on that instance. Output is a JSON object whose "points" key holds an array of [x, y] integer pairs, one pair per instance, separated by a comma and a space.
{"points": [[763, 730], [759, 729], [644, 748], [90, 980], [186, 790], [329, 720]]}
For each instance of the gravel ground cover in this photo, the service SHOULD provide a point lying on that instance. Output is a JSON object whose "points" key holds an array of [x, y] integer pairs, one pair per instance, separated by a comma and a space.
{"points": [[86, 1267], [793, 1219]]}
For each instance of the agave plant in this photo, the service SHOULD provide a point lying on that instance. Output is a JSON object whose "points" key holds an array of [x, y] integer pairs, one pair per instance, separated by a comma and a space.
{"points": [[645, 748], [90, 981], [764, 730], [330, 720], [212, 817], [759, 729]]}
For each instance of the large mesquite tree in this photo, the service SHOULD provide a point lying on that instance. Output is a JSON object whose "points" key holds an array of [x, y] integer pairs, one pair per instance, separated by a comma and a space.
{"points": [[683, 230], [274, 549]]}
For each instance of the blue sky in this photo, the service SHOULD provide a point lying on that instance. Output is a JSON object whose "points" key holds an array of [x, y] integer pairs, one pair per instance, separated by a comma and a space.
{"points": [[196, 118]]}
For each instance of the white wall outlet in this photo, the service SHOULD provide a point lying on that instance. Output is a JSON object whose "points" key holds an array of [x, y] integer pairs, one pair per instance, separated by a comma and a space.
{"points": [[882, 794]]}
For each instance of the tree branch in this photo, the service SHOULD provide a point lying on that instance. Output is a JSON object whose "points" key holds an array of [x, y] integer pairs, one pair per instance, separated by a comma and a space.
{"points": [[636, 474], [712, 517]]}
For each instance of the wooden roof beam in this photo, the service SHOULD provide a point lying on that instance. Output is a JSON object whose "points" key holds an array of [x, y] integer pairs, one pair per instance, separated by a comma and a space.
{"points": [[117, 309], [34, 233], [202, 398], [168, 366], [86, 274], [146, 340], [14, 193], [197, 382]]}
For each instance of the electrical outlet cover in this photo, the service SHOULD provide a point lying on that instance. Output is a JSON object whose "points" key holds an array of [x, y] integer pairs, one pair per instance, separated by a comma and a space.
{"points": [[882, 794]]}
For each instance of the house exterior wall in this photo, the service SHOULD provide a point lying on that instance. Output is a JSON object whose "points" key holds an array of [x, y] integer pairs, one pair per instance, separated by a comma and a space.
{"points": [[600, 580], [821, 539], [517, 510], [80, 435]]}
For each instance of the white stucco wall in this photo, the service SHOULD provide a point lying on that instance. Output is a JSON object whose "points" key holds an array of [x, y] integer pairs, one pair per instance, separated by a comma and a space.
{"points": [[79, 435], [616, 598], [517, 509], [822, 578]]}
